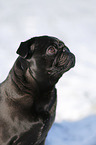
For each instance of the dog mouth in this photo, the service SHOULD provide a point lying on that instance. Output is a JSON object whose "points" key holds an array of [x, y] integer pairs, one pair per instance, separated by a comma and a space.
{"points": [[65, 61], [62, 63]]}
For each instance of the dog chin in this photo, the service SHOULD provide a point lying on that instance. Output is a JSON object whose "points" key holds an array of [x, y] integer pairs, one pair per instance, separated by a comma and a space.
{"points": [[66, 67], [58, 70], [66, 63]]}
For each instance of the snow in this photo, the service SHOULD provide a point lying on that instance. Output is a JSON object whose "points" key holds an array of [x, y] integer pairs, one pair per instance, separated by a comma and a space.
{"points": [[74, 22], [81, 132]]}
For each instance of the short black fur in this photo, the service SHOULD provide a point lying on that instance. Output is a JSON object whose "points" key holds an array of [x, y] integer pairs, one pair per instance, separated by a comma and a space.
{"points": [[28, 96]]}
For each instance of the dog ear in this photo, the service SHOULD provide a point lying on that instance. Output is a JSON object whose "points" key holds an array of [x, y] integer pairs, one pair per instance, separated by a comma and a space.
{"points": [[26, 48]]}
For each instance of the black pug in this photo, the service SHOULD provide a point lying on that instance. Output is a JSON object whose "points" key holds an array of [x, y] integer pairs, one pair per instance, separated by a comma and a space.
{"points": [[28, 95]]}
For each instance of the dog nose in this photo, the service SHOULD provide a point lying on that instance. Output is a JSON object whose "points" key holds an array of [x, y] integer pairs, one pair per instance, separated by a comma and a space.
{"points": [[65, 49]]}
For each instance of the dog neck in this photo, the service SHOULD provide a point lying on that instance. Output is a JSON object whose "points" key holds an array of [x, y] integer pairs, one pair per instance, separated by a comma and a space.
{"points": [[20, 90], [18, 87], [21, 79]]}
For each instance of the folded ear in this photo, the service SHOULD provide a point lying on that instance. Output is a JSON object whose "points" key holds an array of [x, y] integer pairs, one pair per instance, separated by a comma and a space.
{"points": [[26, 48]]}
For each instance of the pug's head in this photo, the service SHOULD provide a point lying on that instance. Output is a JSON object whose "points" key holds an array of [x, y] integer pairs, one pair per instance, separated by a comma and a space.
{"points": [[48, 59]]}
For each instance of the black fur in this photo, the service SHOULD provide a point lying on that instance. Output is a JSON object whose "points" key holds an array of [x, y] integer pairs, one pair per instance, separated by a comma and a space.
{"points": [[28, 95]]}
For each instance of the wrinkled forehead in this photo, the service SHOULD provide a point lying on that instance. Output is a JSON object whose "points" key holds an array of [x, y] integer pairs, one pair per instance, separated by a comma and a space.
{"points": [[47, 40]]}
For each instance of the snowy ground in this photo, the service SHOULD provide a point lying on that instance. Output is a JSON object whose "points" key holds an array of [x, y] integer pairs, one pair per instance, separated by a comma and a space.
{"points": [[74, 22]]}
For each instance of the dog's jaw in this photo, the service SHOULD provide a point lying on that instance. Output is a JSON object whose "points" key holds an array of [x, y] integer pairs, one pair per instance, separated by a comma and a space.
{"points": [[62, 63]]}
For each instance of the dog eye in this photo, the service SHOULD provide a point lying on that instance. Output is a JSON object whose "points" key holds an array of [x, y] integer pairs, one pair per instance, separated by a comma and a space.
{"points": [[51, 50]]}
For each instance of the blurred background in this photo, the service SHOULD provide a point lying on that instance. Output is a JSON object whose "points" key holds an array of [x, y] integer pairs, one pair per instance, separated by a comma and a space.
{"points": [[74, 22]]}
